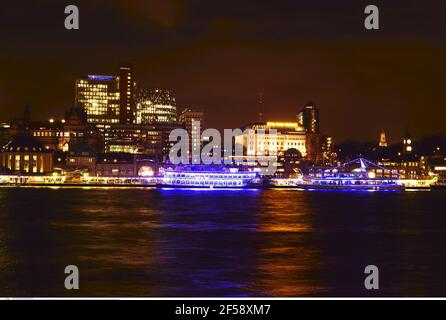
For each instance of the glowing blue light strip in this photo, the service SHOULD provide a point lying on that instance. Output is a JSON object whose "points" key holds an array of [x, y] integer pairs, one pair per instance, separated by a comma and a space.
{"points": [[97, 77]]}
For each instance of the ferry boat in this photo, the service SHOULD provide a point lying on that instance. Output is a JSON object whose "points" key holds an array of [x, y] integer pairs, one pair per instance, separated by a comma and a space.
{"points": [[358, 174], [201, 176]]}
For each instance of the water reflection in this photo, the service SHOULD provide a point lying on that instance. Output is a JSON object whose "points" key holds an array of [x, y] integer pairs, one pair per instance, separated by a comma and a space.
{"points": [[137, 242], [287, 258]]}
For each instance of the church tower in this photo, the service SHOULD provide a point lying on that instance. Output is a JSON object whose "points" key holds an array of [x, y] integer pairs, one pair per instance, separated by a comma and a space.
{"points": [[383, 139], [407, 142]]}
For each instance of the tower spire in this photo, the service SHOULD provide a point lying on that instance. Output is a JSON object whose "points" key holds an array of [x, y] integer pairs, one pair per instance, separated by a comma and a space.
{"points": [[27, 112], [260, 106], [383, 139]]}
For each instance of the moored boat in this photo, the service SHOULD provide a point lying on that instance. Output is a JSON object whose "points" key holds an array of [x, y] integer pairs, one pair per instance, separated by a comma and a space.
{"points": [[200, 176], [359, 174]]}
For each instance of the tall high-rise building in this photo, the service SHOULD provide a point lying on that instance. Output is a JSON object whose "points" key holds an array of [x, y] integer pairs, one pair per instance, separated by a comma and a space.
{"points": [[156, 106], [383, 139], [126, 95], [308, 117], [99, 97], [193, 122]]}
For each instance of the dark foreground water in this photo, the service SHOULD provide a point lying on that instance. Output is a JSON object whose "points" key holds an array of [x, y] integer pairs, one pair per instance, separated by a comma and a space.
{"points": [[145, 242]]}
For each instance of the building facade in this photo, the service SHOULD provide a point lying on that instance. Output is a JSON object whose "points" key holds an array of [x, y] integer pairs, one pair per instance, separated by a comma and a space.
{"points": [[124, 165], [134, 138], [25, 155], [259, 140], [126, 95], [99, 96], [81, 157], [156, 106], [193, 122], [308, 118]]}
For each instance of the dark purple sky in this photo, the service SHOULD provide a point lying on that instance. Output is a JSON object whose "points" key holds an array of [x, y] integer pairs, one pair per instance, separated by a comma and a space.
{"points": [[218, 55]]}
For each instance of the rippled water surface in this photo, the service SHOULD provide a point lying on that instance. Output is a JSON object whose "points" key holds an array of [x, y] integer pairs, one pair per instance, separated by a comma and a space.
{"points": [[147, 242]]}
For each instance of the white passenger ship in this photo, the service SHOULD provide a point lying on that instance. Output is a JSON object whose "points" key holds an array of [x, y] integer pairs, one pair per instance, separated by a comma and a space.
{"points": [[358, 174], [200, 176]]}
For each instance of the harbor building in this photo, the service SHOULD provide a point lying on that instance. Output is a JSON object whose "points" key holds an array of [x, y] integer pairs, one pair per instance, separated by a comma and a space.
{"points": [[124, 165], [81, 157], [257, 139], [25, 155], [303, 135]]}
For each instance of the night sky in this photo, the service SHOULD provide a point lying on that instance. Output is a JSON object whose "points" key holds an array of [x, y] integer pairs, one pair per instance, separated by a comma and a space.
{"points": [[218, 55]]}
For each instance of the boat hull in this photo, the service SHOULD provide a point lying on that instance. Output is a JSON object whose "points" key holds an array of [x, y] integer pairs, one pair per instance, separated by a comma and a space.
{"points": [[438, 187], [173, 186], [351, 187]]}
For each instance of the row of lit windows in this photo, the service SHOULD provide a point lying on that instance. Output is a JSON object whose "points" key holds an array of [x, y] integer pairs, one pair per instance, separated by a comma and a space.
{"points": [[50, 134], [23, 162], [207, 183], [91, 86], [208, 175], [286, 143]]}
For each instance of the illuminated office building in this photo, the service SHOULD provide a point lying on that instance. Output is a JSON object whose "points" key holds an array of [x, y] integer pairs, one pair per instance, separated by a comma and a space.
{"points": [[308, 118], [156, 106], [126, 95], [134, 138], [99, 97]]}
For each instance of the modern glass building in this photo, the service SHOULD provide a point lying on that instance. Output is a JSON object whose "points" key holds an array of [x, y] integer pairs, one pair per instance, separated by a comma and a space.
{"points": [[99, 96], [156, 106]]}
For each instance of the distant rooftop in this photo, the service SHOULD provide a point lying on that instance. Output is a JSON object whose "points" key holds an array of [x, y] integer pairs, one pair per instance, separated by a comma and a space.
{"points": [[101, 78]]}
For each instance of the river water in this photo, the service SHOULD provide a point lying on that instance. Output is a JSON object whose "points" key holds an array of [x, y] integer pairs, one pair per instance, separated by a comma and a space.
{"points": [[235, 243]]}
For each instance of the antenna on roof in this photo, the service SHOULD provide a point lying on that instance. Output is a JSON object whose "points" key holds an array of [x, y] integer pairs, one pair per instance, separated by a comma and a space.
{"points": [[260, 106]]}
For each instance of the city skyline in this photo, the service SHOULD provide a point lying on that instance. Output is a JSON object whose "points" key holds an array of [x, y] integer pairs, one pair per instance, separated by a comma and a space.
{"points": [[239, 149], [223, 59], [114, 77]]}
